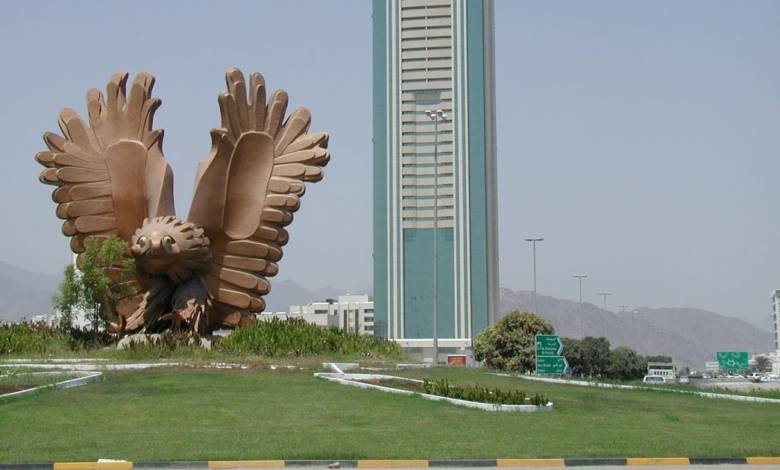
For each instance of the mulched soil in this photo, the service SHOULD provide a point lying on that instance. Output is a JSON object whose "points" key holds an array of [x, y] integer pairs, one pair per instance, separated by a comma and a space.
{"points": [[396, 383], [13, 388]]}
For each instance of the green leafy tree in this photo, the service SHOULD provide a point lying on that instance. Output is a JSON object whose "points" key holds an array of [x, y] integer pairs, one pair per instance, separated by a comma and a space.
{"points": [[509, 344], [596, 353], [67, 298], [573, 352], [589, 357], [763, 363], [101, 282], [666, 359], [626, 364]]}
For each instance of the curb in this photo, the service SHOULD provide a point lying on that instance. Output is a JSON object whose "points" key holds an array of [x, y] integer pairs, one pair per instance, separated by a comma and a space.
{"points": [[633, 461]]}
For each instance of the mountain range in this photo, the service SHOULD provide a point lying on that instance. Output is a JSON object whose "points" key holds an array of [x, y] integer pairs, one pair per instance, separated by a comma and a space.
{"points": [[24, 293]]}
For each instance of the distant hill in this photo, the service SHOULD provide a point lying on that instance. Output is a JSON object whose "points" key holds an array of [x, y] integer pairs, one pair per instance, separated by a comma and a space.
{"points": [[24, 293], [286, 293], [691, 336], [764, 322]]}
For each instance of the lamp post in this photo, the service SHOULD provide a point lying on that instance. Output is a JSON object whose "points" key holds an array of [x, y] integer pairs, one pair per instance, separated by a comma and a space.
{"points": [[580, 277], [533, 240], [435, 116], [604, 295]]}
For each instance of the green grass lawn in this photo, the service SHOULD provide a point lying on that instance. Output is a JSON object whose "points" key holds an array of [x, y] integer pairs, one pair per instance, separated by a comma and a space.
{"points": [[191, 414]]}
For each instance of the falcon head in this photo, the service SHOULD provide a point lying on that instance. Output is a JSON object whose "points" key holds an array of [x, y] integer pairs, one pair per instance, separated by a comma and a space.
{"points": [[170, 246]]}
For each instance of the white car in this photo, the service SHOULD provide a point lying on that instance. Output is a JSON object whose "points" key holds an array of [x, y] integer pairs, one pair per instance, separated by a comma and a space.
{"points": [[654, 379]]}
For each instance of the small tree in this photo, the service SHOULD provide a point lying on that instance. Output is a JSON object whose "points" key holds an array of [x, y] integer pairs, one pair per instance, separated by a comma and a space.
{"points": [[591, 357], [510, 343], [763, 363], [101, 282], [572, 351], [68, 298], [596, 355], [625, 364]]}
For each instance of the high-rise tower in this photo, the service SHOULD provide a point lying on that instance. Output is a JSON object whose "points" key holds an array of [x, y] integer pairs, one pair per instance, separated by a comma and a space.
{"points": [[433, 55]]}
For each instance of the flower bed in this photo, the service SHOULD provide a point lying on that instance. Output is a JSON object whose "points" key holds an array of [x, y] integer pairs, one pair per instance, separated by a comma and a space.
{"points": [[471, 396]]}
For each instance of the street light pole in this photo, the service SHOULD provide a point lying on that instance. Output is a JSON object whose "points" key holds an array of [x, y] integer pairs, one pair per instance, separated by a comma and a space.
{"points": [[435, 115], [580, 277], [605, 294], [533, 240]]}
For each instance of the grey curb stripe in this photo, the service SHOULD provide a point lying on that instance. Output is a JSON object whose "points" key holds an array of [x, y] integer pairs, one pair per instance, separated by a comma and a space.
{"points": [[178, 464], [590, 462], [320, 463], [26, 466], [463, 463], [717, 460]]}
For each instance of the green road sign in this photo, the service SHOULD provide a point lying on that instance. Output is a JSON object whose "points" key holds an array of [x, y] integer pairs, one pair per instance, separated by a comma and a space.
{"points": [[551, 364], [548, 345], [733, 360]]}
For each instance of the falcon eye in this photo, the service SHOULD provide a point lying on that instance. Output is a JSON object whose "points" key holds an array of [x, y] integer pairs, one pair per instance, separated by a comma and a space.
{"points": [[168, 241], [142, 241]]}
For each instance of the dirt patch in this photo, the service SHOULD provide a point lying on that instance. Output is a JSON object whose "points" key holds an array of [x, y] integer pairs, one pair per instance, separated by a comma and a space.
{"points": [[13, 388], [396, 383]]}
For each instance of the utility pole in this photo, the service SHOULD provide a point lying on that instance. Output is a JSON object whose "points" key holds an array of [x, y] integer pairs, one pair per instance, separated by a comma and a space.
{"points": [[605, 294], [435, 115], [580, 277], [533, 240]]}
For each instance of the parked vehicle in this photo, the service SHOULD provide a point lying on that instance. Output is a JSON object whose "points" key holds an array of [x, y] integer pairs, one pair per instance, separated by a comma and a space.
{"points": [[654, 379], [755, 376]]}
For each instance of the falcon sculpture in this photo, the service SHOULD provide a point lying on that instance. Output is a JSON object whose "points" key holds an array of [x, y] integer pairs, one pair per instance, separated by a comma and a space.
{"points": [[209, 269]]}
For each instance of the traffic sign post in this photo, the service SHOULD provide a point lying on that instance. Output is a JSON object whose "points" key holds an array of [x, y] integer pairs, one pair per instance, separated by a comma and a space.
{"points": [[733, 360], [551, 364], [548, 359], [548, 345]]}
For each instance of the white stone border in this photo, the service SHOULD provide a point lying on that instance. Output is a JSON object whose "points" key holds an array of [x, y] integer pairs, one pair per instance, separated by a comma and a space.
{"points": [[88, 366], [355, 381], [584, 383], [83, 380]]}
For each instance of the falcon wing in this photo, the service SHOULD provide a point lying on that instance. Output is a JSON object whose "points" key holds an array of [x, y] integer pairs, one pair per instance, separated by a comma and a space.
{"points": [[111, 174], [248, 188]]}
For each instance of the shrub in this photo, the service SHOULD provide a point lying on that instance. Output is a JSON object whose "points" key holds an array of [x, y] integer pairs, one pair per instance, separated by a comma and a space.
{"points": [[296, 337], [509, 344], [27, 338], [591, 357], [481, 394]]}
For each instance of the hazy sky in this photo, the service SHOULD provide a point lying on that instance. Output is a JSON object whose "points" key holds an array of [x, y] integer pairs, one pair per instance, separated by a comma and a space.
{"points": [[642, 140]]}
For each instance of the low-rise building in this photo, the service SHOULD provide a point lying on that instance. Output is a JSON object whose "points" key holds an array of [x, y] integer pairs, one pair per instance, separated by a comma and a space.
{"points": [[353, 313], [666, 370]]}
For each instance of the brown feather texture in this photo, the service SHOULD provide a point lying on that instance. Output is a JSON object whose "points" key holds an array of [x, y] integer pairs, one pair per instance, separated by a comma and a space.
{"points": [[98, 168], [278, 156], [209, 269]]}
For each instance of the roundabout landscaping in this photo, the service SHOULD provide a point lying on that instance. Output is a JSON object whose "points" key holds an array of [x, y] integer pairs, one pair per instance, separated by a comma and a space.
{"points": [[277, 409]]}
